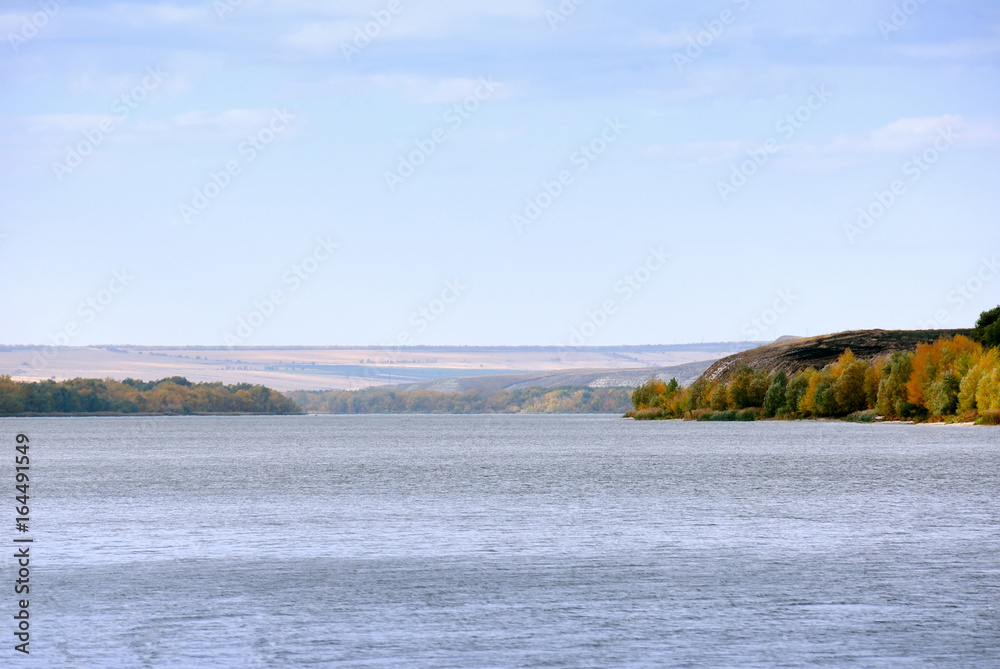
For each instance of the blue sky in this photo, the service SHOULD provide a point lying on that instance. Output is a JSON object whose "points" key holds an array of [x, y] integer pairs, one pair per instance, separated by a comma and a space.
{"points": [[212, 154]]}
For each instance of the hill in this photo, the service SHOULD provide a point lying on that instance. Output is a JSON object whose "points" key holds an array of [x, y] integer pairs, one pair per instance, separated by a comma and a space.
{"points": [[583, 378], [350, 368], [798, 354]]}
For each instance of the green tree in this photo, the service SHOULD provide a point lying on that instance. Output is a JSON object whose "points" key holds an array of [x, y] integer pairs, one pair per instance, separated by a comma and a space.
{"points": [[758, 388], [988, 328], [826, 398], [942, 399], [697, 396], [893, 398], [740, 388], [797, 388], [648, 394], [774, 400], [850, 388], [720, 398]]}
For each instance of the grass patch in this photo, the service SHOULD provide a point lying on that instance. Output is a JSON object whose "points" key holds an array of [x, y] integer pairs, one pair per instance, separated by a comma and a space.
{"points": [[733, 415], [653, 413], [989, 418], [861, 417]]}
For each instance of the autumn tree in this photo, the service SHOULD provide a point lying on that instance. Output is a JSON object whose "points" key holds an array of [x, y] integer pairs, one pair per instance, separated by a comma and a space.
{"points": [[893, 398], [850, 388], [758, 388], [649, 393], [720, 398], [739, 388], [826, 396], [932, 363], [698, 395], [797, 388]]}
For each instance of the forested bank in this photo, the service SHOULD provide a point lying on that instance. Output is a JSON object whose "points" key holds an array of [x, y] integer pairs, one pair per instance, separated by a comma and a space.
{"points": [[175, 395], [528, 400], [952, 379]]}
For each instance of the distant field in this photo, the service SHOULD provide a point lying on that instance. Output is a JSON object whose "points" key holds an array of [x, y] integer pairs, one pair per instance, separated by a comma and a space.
{"points": [[339, 368]]}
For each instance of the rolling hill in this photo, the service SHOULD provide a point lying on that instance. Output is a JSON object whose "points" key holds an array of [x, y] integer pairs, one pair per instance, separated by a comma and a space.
{"points": [[795, 355]]}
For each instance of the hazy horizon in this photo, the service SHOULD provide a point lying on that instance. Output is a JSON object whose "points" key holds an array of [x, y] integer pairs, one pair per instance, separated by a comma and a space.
{"points": [[526, 173]]}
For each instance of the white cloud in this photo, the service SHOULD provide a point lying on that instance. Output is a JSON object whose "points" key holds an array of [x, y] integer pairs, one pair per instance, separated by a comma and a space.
{"points": [[696, 154], [959, 49], [141, 14], [171, 14], [686, 35], [903, 136], [225, 119], [417, 89], [225, 125], [356, 10], [62, 123], [424, 19], [909, 134], [430, 91], [320, 36]]}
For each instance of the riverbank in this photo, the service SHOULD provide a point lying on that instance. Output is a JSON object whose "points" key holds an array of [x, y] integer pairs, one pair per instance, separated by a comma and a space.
{"points": [[988, 418]]}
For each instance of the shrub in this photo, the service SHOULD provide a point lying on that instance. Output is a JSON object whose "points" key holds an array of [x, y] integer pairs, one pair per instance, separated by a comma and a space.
{"points": [[724, 416], [989, 418], [648, 414], [751, 414]]}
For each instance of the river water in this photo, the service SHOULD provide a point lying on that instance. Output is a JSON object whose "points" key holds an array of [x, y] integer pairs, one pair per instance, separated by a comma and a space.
{"points": [[479, 541]]}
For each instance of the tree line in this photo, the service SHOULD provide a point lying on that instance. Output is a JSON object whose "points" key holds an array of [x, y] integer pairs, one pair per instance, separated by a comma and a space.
{"points": [[175, 395], [954, 378], [527, 400]]}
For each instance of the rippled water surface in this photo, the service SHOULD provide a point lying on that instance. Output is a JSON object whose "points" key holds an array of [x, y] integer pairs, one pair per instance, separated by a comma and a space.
{"points": [[476, 541]]}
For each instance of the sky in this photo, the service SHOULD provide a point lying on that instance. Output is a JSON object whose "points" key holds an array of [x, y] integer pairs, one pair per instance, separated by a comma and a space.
{"points": [[524, 172]]}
